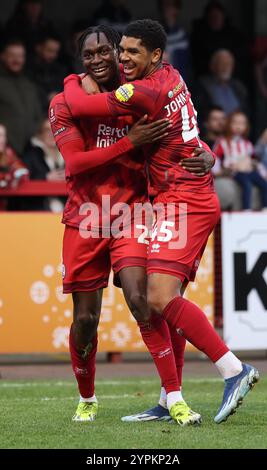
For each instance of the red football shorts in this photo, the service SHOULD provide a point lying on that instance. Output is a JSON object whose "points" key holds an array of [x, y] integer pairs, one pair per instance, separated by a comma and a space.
{"points": [[183, 222], [87, 261]]}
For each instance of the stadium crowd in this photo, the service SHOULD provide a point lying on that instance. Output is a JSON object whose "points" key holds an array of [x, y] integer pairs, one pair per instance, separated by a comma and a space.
{"points": [[35, 58]]}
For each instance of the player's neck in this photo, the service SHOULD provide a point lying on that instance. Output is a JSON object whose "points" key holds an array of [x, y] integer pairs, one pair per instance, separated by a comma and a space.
{"points": [[112, 85], [153, 69]]}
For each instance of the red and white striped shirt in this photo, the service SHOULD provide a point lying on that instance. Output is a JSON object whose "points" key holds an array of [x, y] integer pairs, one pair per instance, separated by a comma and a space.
{"points": [[235, 153]]}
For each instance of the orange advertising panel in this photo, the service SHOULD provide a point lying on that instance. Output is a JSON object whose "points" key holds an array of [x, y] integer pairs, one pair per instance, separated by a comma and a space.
{"points": [[35, 315]]}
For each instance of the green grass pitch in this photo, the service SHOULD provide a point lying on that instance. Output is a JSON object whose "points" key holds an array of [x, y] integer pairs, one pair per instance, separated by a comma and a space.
{"points": [[37, 414]]}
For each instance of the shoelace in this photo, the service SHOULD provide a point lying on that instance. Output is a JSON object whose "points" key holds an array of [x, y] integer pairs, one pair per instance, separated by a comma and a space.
{"points": [[182, 407], [86, 406]]}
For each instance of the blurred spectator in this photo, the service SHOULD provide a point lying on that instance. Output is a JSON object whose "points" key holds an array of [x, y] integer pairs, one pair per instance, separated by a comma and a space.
{"points": [[261, 89], [44, 162], [112, 12], [225, 186], [46, 70], [235, 152], [219, 88], [214, 31], [2, 33], [214, 125], [72, 56], [12, 170], [28, 22], [178, 48], [261, 75], [261, 153], [20, 109]]}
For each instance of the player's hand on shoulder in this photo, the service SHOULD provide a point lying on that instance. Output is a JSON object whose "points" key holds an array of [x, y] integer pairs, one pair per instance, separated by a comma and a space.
{"points": [[89, 85], [142, 132], [73, 77], [200, 163]]}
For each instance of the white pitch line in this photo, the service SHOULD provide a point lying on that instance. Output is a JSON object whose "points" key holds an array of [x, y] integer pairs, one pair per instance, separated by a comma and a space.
{"points": [[34, 384], [99, 383], [68, 384], [44, 399]]}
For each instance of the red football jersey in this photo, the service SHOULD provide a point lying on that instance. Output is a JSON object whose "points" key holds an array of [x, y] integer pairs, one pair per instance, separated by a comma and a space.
{"points": [[162, 94], [123, 180]]}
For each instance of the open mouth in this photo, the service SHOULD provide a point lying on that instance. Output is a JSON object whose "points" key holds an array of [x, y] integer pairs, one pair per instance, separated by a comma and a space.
{"points": [[127, 68], [100, 71]]}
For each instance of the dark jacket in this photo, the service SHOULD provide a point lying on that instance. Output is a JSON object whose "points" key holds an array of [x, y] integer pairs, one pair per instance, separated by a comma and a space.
{"points": [[205, 41], [48, 78], [20, 109], [34, 160]]}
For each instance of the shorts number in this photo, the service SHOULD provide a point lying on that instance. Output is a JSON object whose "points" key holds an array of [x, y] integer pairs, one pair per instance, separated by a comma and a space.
{"points": [[143, 237], [164, 230]]}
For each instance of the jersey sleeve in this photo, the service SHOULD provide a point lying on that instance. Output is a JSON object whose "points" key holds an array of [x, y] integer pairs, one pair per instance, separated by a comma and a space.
{"points": [[78, 159], [129, 99], [61, 121], [71, 145]]}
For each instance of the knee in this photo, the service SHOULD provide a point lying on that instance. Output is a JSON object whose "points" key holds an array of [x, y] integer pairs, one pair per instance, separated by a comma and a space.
{"points": [[86, 318], [138, 306], [157, 301]]}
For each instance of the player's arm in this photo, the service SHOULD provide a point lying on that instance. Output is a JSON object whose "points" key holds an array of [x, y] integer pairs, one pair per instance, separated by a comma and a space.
{"points": [[79, 160], [71, 144], [72, 147], [128, 99]]}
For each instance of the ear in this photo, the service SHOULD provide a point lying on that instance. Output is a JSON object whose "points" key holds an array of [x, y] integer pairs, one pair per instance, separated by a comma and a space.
{"points": [[156, 55]]}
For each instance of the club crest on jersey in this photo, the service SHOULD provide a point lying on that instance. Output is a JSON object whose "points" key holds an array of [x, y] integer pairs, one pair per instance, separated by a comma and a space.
{"points": [[124, 93]]}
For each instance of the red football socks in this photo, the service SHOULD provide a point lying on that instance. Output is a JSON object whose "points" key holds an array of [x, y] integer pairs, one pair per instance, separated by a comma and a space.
{"points": [[156, 336], [178, 346], [193, 324], [84, 369]]}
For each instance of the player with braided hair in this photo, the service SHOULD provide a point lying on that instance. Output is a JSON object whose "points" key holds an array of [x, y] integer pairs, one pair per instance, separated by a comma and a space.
{"points": [[113, 37]]}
